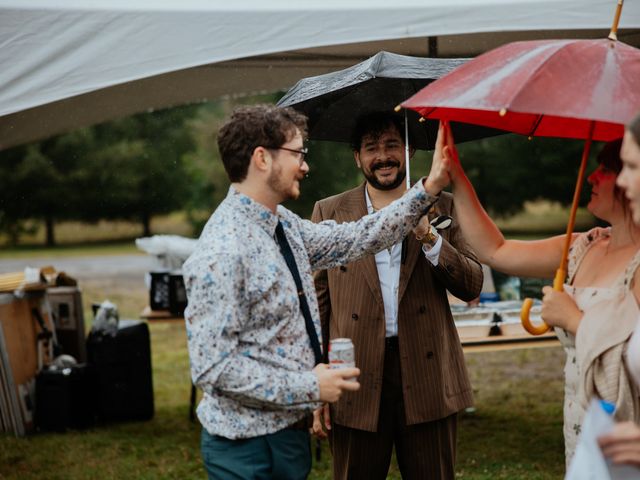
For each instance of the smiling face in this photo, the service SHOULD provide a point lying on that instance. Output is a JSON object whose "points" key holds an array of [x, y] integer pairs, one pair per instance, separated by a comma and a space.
{"points": [[629, 178], [603, 199], [381, 159], [287, 171]]}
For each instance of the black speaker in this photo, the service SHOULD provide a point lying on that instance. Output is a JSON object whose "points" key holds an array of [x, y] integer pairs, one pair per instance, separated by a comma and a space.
{"points": [[177, 295], [65, 398], [159, 291], [122, 364]]}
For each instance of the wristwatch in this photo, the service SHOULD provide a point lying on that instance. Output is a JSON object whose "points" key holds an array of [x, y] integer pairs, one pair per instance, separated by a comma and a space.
{"points": [[430, 238]]}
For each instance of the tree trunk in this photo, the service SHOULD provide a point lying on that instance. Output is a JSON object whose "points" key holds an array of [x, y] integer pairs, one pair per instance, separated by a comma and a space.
{"points": [[50, 227], [146, 224]]}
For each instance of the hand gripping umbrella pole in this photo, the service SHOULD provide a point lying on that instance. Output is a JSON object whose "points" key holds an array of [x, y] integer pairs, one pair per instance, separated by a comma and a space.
{"points": [[561, 272]]}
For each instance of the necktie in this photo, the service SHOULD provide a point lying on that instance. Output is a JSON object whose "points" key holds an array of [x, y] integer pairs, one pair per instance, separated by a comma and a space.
{"points": [[285, 248]]}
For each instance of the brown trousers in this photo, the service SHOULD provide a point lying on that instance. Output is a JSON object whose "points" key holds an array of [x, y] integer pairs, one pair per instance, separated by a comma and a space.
{"points": [[424, 451]]}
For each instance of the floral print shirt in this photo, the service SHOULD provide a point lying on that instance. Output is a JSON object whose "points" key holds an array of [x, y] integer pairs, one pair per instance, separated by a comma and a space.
{"points": [[248, 346]]}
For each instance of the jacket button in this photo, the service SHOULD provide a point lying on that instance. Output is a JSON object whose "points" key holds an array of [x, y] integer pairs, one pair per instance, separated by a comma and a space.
{"points": [[423, 309], [354, 316], [429, 355], [343, 268]]}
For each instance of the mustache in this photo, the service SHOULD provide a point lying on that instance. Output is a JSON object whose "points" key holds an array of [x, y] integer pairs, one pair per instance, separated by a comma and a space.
{"points": [[386, 163]]}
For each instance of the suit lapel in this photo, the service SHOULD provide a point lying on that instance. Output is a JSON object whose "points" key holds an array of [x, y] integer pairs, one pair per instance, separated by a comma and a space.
{"points": [[406, 269], [353, 207], [414, 252]]}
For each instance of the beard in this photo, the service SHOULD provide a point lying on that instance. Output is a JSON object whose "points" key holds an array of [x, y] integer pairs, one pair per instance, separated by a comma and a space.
{"points": [[375, 183], [276, 183]]}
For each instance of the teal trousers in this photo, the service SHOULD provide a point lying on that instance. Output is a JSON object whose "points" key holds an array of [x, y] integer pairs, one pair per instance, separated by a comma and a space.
{"points": [[284, 455]]}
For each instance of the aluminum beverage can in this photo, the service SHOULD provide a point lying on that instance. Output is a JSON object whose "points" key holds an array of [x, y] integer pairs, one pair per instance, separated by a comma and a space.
{"points": [[342, 354]]}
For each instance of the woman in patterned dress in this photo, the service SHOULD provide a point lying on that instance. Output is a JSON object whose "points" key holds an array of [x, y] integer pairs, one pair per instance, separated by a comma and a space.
{"points": [[622, 445], [601, 271]]}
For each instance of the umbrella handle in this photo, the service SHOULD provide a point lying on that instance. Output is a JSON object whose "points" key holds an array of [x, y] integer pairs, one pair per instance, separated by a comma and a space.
{"points": [[526, 322], [558, 282]]}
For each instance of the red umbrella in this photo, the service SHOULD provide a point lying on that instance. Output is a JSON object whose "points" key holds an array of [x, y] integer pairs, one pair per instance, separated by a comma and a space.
{"points": [[548, 88], [584, 89]]}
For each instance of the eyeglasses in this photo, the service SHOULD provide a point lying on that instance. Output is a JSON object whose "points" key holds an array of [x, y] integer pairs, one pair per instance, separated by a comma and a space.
{"points": [[302, 153]]}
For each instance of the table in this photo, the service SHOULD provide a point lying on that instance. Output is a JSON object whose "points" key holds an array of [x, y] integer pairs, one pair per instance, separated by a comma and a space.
{"points": [[509, 342]]}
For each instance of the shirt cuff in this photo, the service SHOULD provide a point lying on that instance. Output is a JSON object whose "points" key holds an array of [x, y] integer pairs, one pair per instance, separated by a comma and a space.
{"points": [[433, 253], [309, 387]]}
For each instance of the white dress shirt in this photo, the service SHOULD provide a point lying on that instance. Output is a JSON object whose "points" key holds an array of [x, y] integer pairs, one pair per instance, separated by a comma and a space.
{"points": [[388, 264]]}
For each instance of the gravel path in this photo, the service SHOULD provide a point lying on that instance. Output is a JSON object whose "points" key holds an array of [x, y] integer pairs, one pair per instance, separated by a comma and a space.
{"points": [[89, 267]]}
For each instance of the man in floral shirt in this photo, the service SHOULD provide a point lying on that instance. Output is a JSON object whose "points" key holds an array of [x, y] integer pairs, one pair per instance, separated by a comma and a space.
{"points": [[251, 353]]}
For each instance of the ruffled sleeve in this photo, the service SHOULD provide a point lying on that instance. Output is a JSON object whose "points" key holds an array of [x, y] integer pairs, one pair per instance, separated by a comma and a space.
{"points": [[581, 246]]}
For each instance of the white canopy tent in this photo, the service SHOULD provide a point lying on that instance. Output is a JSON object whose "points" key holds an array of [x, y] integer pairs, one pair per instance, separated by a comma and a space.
{"points": [[79, 62]]}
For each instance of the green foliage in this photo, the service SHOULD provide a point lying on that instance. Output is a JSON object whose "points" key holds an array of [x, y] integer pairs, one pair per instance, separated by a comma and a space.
{"points": [[126, 169], [157, 162], [332, 170], [508, 170]]}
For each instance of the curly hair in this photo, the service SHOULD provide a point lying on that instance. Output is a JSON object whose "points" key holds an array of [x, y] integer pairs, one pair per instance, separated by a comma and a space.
{"points": [[256, 126], [375, 124]]}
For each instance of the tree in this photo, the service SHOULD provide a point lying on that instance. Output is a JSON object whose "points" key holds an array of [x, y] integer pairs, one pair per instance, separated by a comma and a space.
{"points": [[146, 174], [509, 170], [126, 169]]}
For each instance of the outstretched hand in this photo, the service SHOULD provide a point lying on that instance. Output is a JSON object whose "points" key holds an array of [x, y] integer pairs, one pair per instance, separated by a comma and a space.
{"points": [[445, 160]]}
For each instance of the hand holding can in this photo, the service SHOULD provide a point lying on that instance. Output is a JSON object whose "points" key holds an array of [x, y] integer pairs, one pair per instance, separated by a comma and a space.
{"points": [[342, 354]]}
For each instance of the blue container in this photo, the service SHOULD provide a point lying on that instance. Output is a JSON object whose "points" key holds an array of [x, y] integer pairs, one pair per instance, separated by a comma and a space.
{"points": [[486, 297]]}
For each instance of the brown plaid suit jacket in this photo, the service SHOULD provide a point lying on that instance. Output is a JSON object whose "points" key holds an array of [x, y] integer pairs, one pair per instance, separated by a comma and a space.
{"points": [[434, 375]]}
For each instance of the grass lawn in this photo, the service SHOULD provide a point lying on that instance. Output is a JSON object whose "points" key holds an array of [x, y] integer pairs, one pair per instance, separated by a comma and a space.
{"points": [[515, 431]]}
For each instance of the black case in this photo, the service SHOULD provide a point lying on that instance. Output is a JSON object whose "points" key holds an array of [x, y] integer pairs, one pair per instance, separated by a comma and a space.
{"points": [[122, 365], [64, 398], [177, 295]]}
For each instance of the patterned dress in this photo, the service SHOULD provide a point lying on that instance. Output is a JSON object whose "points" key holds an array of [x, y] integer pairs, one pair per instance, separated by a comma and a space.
{"points": [[585, 298]]}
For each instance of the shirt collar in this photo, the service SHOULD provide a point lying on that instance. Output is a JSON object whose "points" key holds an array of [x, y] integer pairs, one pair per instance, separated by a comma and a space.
{"points": [[254, 211], [370, 208]]}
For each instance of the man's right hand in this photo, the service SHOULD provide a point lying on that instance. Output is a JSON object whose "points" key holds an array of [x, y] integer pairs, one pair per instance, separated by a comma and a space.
{"points": [[333, 381], [321, 421]]}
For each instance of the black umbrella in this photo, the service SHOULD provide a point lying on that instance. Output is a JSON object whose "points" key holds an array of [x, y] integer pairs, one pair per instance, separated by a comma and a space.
{"points": [[334, 101]]}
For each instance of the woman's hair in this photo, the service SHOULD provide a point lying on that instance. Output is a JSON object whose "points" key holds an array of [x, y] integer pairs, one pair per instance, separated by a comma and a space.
{"points": [[634, 128], [609, 157]]}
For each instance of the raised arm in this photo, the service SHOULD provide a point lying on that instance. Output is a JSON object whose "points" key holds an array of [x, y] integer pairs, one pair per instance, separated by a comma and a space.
{"points": [[539, 258], [330, 244]]}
